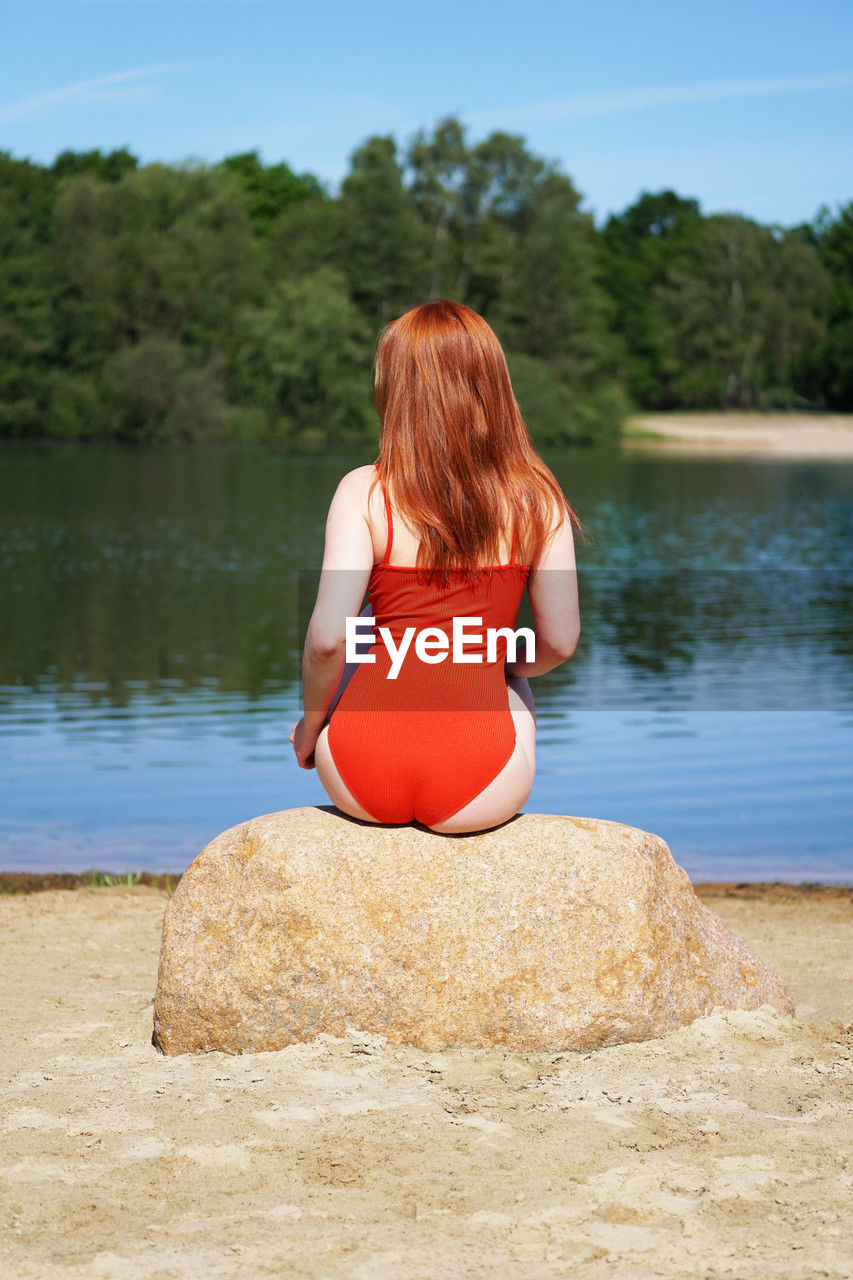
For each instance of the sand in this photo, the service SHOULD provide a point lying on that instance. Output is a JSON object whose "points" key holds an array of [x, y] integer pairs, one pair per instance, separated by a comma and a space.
{"points": [[755, 435], [718, 1150]]}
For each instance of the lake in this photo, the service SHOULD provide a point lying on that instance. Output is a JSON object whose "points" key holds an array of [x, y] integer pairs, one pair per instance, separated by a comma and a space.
{"points": [[154, 603]]}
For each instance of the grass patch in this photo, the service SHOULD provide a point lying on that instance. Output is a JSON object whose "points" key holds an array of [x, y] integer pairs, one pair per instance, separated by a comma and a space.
{"points": [[12, 882]]}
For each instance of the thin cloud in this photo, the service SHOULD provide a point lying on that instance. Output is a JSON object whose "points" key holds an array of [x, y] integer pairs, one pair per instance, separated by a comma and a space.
{"points": [[104, 88], [592, 106]]}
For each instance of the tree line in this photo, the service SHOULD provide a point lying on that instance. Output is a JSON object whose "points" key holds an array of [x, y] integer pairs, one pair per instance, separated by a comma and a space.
{"points": [[241, 301]]}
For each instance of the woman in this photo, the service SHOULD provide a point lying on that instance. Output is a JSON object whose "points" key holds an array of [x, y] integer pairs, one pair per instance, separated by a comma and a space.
{"points": [[455, 518]]}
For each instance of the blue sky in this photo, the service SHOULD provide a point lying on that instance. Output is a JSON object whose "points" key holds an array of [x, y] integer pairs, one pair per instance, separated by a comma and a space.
{"points": [[747, 106]]}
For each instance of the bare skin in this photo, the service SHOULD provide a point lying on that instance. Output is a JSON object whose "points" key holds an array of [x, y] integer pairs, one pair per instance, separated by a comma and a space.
{"points": [[500, 800], [356, 536]]}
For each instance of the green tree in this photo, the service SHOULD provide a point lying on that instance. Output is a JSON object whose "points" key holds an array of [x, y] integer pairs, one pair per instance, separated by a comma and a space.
{"points": [[437, 170], [383, 245], [551, 304], [829, 369], [162, 251], [306, 237], [109, 168], [507, 236], [270, 190], [27, 328], [738, 307], [195, 302], [498, 197], [300, 364], [635, 248], [153, 394], [554, 312], [475, 203]]}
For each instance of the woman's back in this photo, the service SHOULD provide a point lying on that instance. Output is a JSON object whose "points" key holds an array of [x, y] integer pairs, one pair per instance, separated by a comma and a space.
{"points": [[401, 549], [424, 723], [459, 514]]}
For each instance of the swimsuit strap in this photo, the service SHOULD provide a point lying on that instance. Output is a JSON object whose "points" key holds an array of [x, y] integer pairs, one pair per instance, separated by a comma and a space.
{"points": [[390, 521]]}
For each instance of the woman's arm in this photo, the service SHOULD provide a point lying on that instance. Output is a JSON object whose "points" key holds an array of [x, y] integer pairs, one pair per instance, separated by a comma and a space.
{"points": [[347, 562], [553, 590]]}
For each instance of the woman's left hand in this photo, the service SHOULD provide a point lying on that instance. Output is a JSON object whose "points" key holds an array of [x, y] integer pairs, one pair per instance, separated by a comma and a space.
{"points": [[304, 742]]}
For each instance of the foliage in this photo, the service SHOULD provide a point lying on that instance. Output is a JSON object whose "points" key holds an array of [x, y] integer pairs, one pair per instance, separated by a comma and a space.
{"points": [[270, 190], [713, 311], [303, 360], [382, 240], [635, 247], [738, 306], [27, 348], [243, 301], [829, 368]]}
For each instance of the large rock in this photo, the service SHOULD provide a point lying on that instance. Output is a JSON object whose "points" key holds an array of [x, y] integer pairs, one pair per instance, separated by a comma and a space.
{"points": [[546, 933]]}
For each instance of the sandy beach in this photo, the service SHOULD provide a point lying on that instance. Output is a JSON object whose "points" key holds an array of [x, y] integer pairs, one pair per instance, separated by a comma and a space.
{"points": [[755, 435], [719, 1150]]}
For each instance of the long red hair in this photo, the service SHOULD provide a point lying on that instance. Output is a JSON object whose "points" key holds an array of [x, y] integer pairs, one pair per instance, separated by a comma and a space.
{"points": [[454, 453]]}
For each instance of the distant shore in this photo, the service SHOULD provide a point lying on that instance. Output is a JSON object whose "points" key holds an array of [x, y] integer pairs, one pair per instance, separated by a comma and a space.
{"points": [[742, 434], [16, 882]]}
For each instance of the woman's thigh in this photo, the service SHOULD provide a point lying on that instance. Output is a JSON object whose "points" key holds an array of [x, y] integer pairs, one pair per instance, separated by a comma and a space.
{"points": [[332, 782], [508, 790]]}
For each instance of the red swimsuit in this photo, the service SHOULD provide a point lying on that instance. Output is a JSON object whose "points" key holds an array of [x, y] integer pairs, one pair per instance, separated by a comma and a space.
{"points": [[421, 746]]}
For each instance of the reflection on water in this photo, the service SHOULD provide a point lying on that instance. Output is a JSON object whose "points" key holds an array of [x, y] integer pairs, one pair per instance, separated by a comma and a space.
{"points": [[152, 620]]}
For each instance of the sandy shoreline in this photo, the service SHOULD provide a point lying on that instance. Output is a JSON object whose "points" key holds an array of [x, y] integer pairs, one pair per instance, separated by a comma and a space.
{"points": [[755, 435], [15, 882], [715, 1151]]}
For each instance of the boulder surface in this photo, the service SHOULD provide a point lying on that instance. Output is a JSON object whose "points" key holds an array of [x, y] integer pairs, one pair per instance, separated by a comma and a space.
{"points": [[546, 933]]}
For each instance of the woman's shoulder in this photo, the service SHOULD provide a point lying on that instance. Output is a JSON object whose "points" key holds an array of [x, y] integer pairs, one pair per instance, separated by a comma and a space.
{"points": [[359, 478], [357, 497], [354, 486]]}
